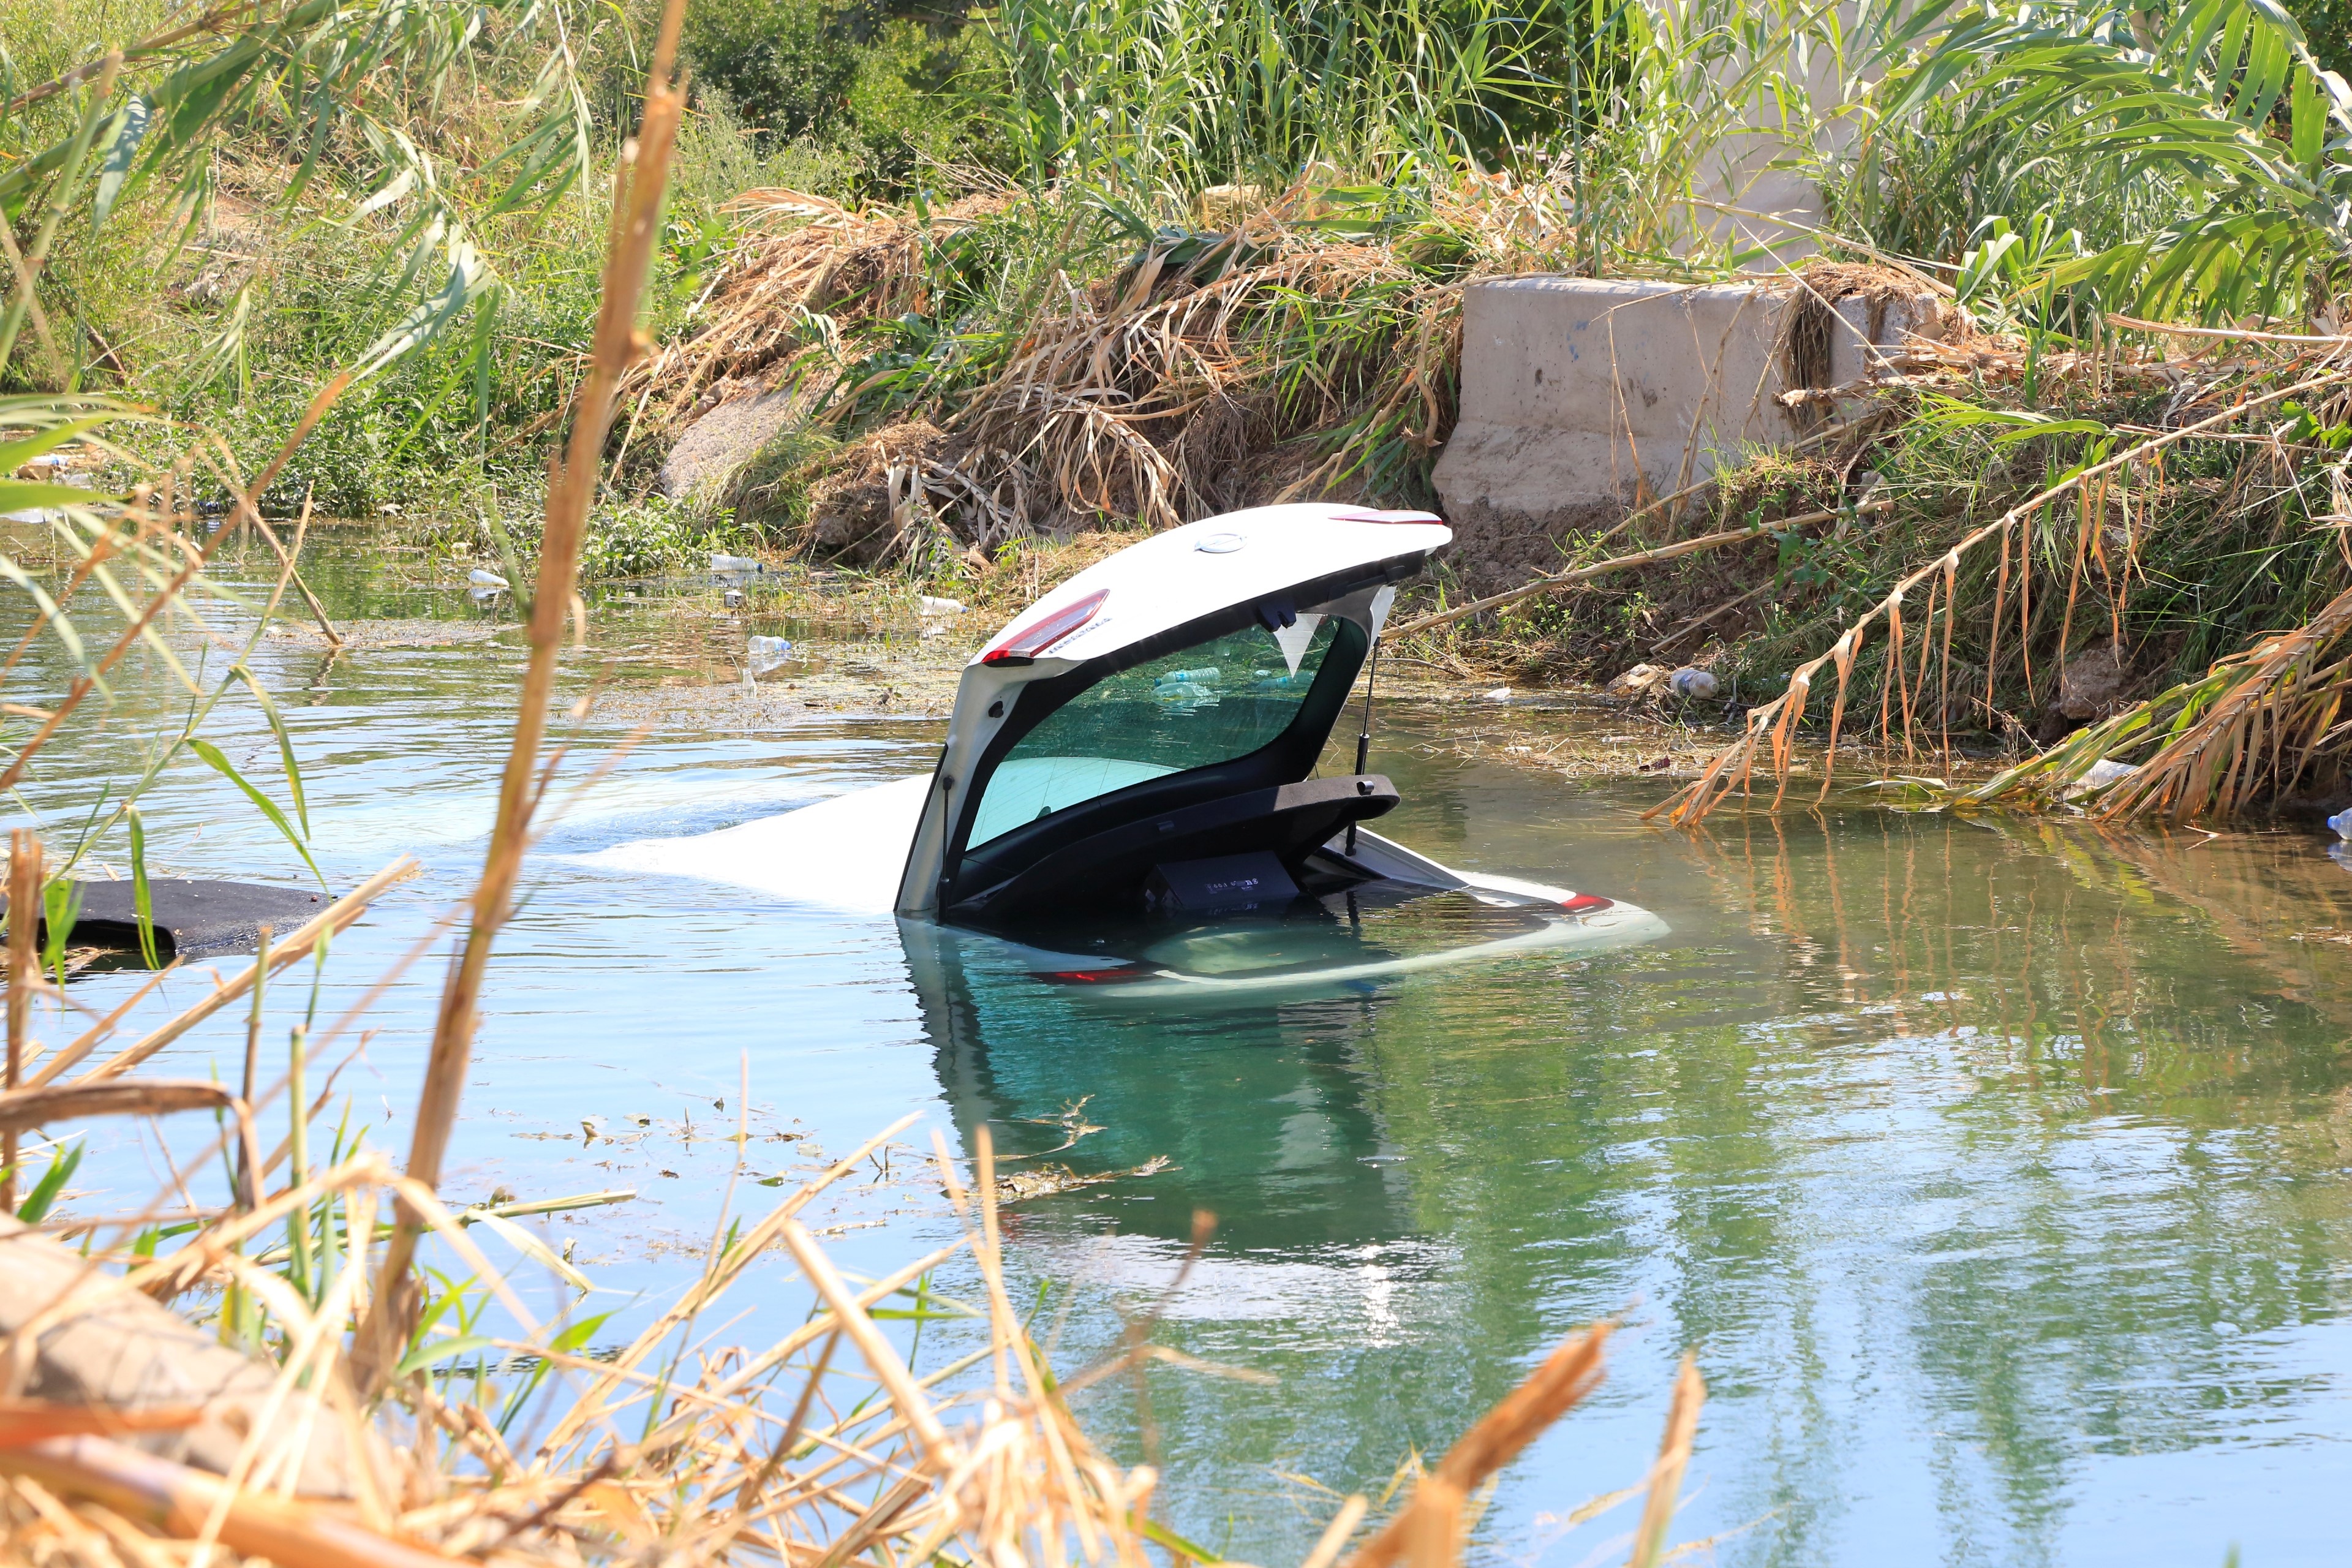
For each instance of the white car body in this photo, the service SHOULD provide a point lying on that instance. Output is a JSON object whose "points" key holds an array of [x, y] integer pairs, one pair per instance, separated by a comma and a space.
{"points": [[890, 848]]}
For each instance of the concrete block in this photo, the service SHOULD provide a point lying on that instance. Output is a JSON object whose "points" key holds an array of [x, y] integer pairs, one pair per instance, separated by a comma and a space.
{"points": [[722, 440], [1580, 397]]}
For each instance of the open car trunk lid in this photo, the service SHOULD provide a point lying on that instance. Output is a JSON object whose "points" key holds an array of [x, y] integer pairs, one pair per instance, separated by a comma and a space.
{"points": [[1179, 680]]}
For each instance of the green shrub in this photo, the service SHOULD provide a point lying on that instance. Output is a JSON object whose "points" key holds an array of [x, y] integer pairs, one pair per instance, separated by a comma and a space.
{"points": [[641, 539], [2327, 25], [786, 66], [911, 103]]}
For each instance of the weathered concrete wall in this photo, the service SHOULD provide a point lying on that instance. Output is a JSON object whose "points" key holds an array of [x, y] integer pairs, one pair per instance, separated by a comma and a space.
{"points": [[723, 437], [1582, 396]]}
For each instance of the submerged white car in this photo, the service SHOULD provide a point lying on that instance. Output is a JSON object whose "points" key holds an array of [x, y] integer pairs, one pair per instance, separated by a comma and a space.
{"points": [[1126, 802]]}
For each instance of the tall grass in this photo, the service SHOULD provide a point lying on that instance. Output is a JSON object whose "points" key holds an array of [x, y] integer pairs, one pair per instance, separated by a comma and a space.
{"points": [[1160, 99], [2198, 158]]}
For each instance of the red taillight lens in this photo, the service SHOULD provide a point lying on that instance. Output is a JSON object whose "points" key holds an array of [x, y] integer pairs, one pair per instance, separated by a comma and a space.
{"points": [[1096, 977], [1025, 644], [1586, 903]]}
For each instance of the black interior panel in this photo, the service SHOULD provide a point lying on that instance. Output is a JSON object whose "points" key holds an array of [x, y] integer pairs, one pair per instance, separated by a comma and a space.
{"points": [[1108, 867]]}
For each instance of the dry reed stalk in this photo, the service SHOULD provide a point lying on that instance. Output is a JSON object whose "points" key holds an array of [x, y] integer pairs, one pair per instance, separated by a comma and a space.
{"points": [[881, 1358], [23, 899], [2340, 342], [639, 185], [175, 1500], [1894, 685], [1777, 719], [1639, 558], [1427, 1531], [1673, 1457], [1944, 670], [2000, 597], [23, 1109], [24, 1421]]}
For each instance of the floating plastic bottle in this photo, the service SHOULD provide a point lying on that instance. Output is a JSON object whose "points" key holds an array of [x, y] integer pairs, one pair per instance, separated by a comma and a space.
{"points": [[2342, 823], [482, 579], [932, 606], [2099, 775], [721, 562], [1187, 677], [766, 653], [1692, 685]]}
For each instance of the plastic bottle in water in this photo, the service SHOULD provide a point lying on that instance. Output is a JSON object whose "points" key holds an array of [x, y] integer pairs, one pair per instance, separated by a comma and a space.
{"points": [[1187, 676], [723, 563], [1692, 685], [936, 606], [2342, 823], [482, 579], [766, 653]]}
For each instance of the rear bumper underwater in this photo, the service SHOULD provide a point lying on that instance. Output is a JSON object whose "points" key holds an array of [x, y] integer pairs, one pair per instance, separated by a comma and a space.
{"points": [[1548, 920]]}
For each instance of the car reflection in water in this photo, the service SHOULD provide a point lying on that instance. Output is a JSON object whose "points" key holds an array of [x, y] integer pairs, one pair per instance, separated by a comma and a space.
{"points": [[1254, 1103], [1234, 1057]]}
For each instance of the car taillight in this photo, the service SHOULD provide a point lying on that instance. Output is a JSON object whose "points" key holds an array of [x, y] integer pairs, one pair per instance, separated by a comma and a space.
{"points": [[1095, 977], [1586, 903], [1026, 645]]}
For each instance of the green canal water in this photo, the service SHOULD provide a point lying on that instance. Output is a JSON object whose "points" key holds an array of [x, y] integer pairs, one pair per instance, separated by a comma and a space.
{"points": [[2000, 1173]]}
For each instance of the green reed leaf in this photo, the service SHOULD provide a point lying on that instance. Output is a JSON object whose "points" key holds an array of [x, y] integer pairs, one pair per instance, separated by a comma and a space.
{"points": [[285, 746], [143, 901], [268, 808]]}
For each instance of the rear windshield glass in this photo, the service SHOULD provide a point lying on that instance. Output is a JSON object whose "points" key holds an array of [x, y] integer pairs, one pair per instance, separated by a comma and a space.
{"points": [[1205, 704]]}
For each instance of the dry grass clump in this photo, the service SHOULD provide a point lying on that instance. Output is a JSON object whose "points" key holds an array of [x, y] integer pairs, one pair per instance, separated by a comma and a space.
{"points": [[788, 291], [782, 1455], [1264, 367], [1157, 397], [1294, 353], [550, 1450], [2246, 732]]}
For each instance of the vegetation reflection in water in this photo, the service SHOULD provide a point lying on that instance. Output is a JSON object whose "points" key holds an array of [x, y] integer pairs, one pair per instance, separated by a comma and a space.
{"points": [[1996, 1170], [1989, 1163]]}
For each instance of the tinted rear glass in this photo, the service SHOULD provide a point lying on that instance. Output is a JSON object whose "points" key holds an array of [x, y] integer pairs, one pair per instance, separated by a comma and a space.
{"points": [[1205, 704]]}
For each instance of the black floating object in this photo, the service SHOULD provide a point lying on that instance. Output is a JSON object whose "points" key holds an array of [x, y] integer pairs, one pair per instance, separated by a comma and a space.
{"points": [[193, 918]]}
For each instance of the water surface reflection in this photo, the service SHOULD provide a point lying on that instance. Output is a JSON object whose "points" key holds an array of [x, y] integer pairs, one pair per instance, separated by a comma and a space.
{"points": [[1998, 1171]]}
